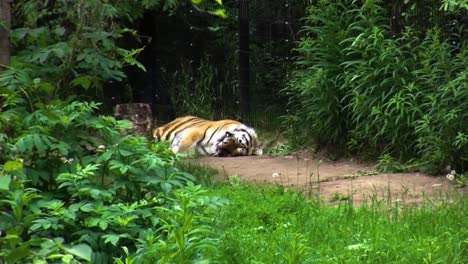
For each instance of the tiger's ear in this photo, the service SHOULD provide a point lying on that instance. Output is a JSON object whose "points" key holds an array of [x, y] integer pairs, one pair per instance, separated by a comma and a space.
{"points": [[257, 152], [229, 134]]}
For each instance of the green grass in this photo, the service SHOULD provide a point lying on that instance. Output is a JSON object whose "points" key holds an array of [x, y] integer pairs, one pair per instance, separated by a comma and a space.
{"points": [[265, 224]]}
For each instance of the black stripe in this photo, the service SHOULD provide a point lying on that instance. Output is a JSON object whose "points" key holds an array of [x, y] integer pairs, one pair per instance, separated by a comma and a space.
{"points": [[248, 141], [173, 128], [157, 134], [189, 126], [216, 131], [250, 136], [204, 135], [169, 129], [204, 150]]}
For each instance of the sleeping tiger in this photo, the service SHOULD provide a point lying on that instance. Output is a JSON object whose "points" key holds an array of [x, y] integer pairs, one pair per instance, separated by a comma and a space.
{"points": [[210, 138]]}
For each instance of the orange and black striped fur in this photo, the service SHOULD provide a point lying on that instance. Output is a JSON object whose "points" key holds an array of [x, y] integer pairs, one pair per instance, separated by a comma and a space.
{"points": [[212, 138]]}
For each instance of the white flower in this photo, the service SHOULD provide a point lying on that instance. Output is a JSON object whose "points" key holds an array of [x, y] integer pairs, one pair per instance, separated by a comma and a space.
{"points": [[102, 148], [453, 172], [275, 175], [358, 246], [450, 177], [65, 160]]}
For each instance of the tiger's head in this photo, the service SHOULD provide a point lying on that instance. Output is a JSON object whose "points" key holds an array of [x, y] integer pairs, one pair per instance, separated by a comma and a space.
{"points": [[240, 142]]}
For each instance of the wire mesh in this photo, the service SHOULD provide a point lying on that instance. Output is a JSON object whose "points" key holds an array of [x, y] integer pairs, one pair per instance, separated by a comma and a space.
{"points": [[274, 27]]}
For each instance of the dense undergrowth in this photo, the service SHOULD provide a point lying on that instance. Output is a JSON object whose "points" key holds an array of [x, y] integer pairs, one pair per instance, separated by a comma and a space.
{"points": [[364, 88], [75, 188]]}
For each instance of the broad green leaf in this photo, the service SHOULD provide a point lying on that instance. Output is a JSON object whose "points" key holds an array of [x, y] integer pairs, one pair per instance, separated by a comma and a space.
{"points": [[103, 225], [12, 165], [67, 258], [17, 254], [28, 142], [5, 182], [219, 12], [39, 143], [166, 187], [129, 57], [214, 29], [220, 2], [105, 156], [125, 153], [84, 81], [196, 2], [124, 169], [19, 33], [59, 31], [82, 251], [112, 238], [88, 207], [115, 164], [62, 147]]}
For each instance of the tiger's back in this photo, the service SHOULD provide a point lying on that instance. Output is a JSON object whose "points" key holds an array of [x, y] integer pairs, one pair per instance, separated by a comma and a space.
{"points": [[196, 135]]}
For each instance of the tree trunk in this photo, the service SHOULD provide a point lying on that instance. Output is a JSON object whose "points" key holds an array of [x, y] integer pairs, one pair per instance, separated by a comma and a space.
{"points": [[139, 114], [5, 21]]}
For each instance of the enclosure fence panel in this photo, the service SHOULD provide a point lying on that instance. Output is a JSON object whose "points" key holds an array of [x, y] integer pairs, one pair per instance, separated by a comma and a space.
{"points": [[212, 66]]}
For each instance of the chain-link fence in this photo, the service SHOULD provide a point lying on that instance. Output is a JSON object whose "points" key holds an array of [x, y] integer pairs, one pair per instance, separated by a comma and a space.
{"points": [[204, 72]]}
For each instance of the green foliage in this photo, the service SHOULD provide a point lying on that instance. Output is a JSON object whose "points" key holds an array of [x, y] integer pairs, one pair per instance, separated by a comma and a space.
{"points": [[315, 91], [279, 149], [73, 188], [454, 5], [360, 88], [205, 175], [66, 52], [387, 163], [185, 234], [193, 91]]}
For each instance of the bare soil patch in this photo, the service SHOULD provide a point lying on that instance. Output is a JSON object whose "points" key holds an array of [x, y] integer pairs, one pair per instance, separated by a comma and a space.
{"points": [[335, 180]]}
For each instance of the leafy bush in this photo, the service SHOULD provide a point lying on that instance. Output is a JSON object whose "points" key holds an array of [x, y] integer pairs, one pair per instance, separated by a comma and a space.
{"points": [[73, 188], [70, 52], [70, 176], [186, 233], [360, 88]]}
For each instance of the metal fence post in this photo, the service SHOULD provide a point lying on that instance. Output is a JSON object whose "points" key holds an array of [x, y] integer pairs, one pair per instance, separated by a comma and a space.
{"points": [[244, 59]]}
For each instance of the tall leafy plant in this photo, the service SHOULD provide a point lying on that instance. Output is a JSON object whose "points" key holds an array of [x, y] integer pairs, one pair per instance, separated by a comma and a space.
{"points": [[73, 187], [364, 88], [442, 131], [315, 92], [193, 89], [69, 53]]}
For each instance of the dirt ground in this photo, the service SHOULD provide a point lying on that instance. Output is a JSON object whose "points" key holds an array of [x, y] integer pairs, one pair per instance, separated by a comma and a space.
{"points": [[335, 180]]}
